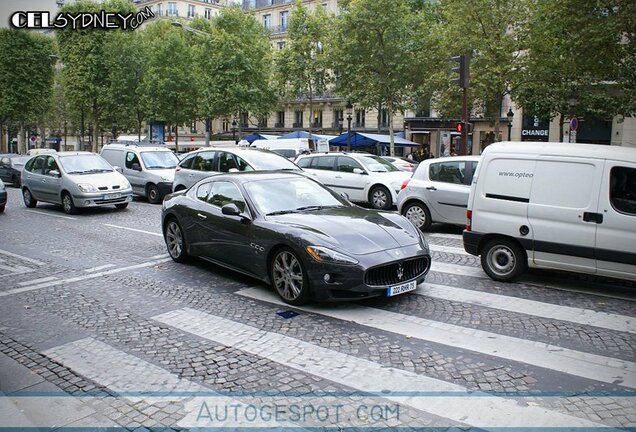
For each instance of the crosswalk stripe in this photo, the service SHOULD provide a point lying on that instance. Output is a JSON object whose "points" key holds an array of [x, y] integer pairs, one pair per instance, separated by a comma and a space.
{"points": [[586, 365], [368, 376], [447, 249], [31, 260], [459, 270], [529, 307], [35, 281]]}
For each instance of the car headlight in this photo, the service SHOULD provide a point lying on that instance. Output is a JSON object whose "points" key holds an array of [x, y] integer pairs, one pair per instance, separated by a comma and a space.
{"points": [[126, 184], [325, 255], [86, 187], [1, 185], [166, 179]]}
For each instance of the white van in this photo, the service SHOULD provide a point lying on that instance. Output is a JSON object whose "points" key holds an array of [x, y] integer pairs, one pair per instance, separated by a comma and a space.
{"points": [[554, 205], [287, 147], [148, 168]]}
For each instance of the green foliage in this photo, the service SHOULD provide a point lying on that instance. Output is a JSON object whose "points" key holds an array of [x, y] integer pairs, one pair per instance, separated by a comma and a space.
{"points": [[233, 65]]}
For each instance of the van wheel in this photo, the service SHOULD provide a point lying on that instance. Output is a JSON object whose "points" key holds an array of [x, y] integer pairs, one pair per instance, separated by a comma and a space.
{"points": [[418, 214], [29, 201], [503, 260], [152, 192], [380, 198]]}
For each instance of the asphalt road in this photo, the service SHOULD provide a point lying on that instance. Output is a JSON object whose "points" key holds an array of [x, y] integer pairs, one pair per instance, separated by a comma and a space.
{"points": [[98, 327]]}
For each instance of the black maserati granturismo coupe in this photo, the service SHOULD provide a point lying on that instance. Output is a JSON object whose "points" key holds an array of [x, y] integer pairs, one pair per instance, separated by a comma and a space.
{"points": [[297, 235]]}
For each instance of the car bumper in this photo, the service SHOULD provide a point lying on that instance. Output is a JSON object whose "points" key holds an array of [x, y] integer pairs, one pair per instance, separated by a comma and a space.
{"points": [[102, 199], [349, 282], [471, 241], [3, 198], [165, 188]]}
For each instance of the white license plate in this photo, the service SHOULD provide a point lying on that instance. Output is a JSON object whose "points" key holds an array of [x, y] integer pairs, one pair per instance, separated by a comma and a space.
{"points": [[112, 196], [401, 289]]}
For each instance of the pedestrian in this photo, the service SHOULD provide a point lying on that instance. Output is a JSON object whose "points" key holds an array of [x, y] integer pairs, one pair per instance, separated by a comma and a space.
{"points": [[409, 156]]}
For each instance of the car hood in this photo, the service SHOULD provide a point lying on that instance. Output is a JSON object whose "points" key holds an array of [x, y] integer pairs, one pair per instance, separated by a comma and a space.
{"points": [[167, 173], [351, 229], [99, 179]]}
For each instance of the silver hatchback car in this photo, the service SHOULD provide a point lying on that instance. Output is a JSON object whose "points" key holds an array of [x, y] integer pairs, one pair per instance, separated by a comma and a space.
{"points": [[207, 161], [438, 191], [74, 180]]}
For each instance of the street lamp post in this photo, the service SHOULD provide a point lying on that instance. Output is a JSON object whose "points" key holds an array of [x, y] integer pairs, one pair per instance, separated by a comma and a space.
{"points": [[349, 112], [340, 121], [234, 128], [510, 115]]}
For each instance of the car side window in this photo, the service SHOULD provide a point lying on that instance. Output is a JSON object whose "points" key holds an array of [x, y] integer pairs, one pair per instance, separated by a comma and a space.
{"points": [[242, 165], [347, 164], [204, 161], [187, 162], [448, 172], [325, 163], [623, 189], [226, 162], [37, 165], [203, 191], [223, 193], [305, 162], [131, 158], [50, 165], [4, 161]]}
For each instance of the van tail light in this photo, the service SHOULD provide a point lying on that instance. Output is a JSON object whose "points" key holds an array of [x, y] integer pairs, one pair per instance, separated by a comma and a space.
{"points": [[469, 219], [178, 169], [405, 183]]}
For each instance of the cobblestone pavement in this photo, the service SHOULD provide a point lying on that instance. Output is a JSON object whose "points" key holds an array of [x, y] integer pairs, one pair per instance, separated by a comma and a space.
{"points": [[99, 328]]}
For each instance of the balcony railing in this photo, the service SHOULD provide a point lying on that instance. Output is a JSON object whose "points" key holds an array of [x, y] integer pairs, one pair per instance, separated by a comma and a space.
{"points": [[279, 29], [279, 125], [297, 125]]}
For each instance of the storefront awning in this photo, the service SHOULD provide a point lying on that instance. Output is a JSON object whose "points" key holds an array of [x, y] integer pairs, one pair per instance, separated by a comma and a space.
{"points": [[359, 139], [257, 136]]}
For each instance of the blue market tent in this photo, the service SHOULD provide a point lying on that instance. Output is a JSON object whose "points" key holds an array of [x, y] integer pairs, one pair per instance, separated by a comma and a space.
{"points": [[359, 139], [258, 136], [304, 134]]}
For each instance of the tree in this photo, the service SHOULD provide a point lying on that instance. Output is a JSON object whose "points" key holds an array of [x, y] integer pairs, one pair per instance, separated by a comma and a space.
{"points": [[579, 51], [169, 88], [301, 66], [372, 54], [234, 66], [26, 77], [83, 53]]}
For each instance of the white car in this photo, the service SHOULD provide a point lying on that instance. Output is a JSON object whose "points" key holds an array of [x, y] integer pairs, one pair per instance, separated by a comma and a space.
{"points": [[363, 177], [438, 191], [403, 164]]}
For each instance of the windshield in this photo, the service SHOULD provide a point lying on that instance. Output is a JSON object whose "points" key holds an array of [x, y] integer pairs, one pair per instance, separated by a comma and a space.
{"points": [[159, 159], [19, 160], [290, 195], [84, 164], [377, 164], [288, 153], [263, 161]]}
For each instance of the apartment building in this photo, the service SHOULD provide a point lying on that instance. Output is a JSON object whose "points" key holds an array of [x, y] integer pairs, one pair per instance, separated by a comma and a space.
{"points": [[184, 9]]}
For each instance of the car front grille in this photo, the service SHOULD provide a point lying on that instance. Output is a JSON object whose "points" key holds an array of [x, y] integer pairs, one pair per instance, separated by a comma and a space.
{"points": [[103, 188], [389, 274]]}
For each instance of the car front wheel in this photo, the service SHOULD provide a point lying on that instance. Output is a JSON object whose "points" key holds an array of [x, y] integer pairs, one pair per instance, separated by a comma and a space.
{"points": [[380, 198], [503, 260], [153, 195], [289, 278], [418, 214], [68, 205], [175, 241], [29, 201], [121, 206]]}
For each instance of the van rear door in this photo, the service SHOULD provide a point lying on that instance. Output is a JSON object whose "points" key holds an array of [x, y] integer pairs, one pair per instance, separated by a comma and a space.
{"points": [[616, 235], [563, 212]]}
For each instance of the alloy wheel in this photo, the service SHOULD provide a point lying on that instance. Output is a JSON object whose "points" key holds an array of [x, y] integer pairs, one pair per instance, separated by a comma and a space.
{"points": [[174, 240], [287, 275]]}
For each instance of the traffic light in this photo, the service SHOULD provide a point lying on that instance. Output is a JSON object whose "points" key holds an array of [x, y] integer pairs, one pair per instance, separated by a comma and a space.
{"points": [[459, 127], [463, 70]]}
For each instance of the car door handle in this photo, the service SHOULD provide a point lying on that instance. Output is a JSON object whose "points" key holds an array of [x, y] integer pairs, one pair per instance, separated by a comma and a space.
{"points": [[593, 217], [431, 188], [201, 216]]}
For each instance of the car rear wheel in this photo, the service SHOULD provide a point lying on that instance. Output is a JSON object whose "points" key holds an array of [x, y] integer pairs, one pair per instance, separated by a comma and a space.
{"points": [[121, 206], [175, 241], [418, 214], [380, 198], [68, 205], [29, 201], [152, 192], [1, 208], [179, 188], [289, 278], [503, 260], [15, 181]]}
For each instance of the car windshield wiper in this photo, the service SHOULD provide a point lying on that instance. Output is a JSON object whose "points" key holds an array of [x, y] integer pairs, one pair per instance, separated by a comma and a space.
{"points": [[318, 207], [281, 212]]}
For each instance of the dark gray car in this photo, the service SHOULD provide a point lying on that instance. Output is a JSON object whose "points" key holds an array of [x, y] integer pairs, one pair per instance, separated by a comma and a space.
{"points": [[205, 162], [11, 168]]}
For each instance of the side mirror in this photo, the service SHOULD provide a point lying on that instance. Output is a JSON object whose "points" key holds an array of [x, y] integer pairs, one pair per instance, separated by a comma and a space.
{"points": [[345, 195], [55, 173], [232, 209], [135, 167], [233, 170], [118, 169], [358, 171]]}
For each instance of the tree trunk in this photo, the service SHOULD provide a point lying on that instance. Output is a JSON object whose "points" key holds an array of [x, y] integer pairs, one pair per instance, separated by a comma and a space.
{"points": [[379, 117], [561, 123], [176, 139], [22, 147], [2, 148], [391, 136]]}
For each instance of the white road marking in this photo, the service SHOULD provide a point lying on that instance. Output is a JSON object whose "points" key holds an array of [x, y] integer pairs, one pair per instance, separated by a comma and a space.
{"points": [[14, 270], [40, 280], [81, 278], [31, 260], [589, 317], [586, 365], [368, 376], [102, 267], [50, 214], [447, 249], [134, 229], [160, 256], [456, 269]]}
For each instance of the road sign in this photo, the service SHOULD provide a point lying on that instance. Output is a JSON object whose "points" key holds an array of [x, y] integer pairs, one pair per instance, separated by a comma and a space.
{"points": [[574, 124], [33, 138]]}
